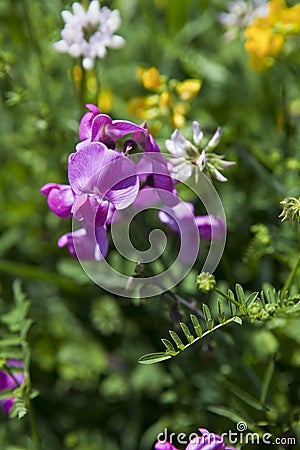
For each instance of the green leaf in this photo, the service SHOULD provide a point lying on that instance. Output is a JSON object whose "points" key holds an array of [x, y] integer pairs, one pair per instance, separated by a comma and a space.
{"points": [[252, 297], [168, 345], [177, 340], [25, 329], [157, 357], [291, 309], [240, 294], [238, 320], [196, 324], [232, 415], [36, 273], [195, 320], [232, 306], [177, 14], [6, 393], [221, 315], [208, 319], [187, 332], [153, 358], [19, 295], [244, 396], [10, 341], [14, 318], [267, 380]]}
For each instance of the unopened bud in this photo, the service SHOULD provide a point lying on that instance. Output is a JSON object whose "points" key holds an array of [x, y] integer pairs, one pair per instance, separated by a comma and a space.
{"points": [[205, 282]]}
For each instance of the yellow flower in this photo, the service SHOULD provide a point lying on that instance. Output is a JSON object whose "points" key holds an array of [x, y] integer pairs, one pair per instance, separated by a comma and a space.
{"points": [[105, 100], [276, 8], [77, 75], [265, 36], [144, 108], [168, 100], [178, 116], [188, 89], [262, 46], [165, 100], [150, 78], [291, 20]]}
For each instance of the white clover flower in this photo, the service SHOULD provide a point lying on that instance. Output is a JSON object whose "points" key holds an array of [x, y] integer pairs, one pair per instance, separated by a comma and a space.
{"points": [[186, 154], [89, 33], [240, 14]]}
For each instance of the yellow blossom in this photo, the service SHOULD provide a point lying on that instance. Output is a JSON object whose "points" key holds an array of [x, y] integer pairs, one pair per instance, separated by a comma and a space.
{"points": [[188, 89], [105, 100], [143, 107], [77, 75], [265, 36], [179, 113], [150, 78], [168, 100], [291, 20], [164, 103], [92, 83]]}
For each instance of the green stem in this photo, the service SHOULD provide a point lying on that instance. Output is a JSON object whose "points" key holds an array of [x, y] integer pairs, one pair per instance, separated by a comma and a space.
{"points": [[230, 299], [266, 382], [33, 426], [291, 277], [186, 303]]}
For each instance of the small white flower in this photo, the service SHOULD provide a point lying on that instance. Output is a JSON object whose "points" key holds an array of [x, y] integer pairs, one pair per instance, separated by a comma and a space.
{"points": [[240, 14], [89, 33], [197, 132], [186, 154]]}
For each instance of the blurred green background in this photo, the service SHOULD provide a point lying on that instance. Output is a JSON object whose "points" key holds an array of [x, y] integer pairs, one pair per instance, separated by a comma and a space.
{"points": [[85, 342]]}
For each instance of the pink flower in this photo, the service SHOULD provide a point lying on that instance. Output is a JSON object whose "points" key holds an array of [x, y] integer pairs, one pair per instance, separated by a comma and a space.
{"points": [[60, 198], [10, 381]]}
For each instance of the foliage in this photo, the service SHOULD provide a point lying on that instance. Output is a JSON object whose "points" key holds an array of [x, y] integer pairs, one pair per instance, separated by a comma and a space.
{"points": [[80, 345]]}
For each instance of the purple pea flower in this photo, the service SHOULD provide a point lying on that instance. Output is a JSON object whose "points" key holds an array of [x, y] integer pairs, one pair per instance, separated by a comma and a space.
{"points": [[99, 176], [12, 381], [97, 127], [86, 244], [164, 446], [85, 126], [60, 198], [208, 441], [209, 226]]}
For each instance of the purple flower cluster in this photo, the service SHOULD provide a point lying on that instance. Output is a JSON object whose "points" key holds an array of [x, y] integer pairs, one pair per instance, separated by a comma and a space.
{"points": [[104, 178], [10, 381], [207, 441]]}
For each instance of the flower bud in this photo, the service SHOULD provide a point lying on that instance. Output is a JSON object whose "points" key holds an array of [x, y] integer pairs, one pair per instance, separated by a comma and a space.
{"points": [[205, 282]]}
